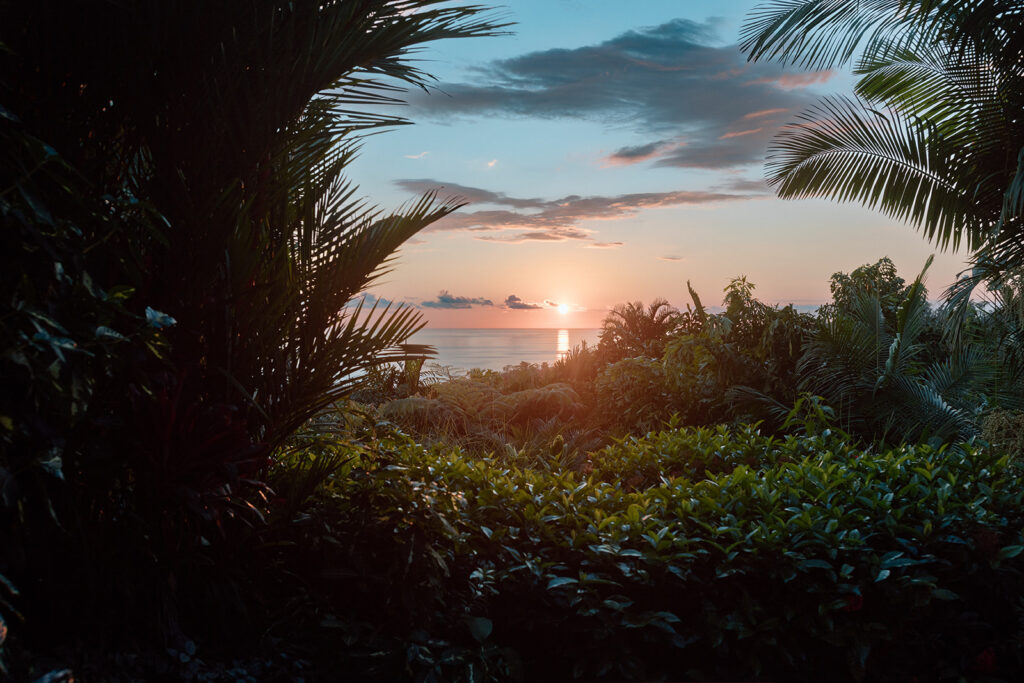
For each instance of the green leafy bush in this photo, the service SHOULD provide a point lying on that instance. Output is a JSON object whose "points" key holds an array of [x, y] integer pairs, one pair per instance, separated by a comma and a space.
{"points": [[522, 407], [424, 415], [633, 394], [697, 370], [468, 396], [699, 452], [734, 555]]}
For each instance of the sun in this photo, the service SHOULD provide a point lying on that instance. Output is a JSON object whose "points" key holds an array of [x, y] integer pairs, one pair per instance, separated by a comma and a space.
{"points": [[563, 308]]}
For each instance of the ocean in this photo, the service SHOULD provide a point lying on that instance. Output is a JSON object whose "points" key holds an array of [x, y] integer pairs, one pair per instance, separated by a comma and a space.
{"points": [[493, 349]]}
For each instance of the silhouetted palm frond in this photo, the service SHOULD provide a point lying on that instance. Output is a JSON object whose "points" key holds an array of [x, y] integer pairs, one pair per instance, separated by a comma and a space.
{"points": [[935, 137], [633, 330], [239, 135]]}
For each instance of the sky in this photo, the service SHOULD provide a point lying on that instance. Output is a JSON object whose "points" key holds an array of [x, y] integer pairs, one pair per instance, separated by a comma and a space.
{"points": [[611, 152]]}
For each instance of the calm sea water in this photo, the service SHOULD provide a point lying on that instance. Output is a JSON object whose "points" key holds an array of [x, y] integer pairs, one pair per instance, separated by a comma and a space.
{"points": [[493, 349]]}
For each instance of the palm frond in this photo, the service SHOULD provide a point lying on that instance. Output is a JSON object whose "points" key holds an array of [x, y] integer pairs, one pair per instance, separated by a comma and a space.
{"points": [[1013, 200], [845, 150], [761, 406], [819, 34], [918, 411], [698, 307], [910, 323], [925, 80], [931, 140]]}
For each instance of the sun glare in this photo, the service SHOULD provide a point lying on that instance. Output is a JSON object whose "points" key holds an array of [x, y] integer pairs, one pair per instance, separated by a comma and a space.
{"points": [[563, 308]]}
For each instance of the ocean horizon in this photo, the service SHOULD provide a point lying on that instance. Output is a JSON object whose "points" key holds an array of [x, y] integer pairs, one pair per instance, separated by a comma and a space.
{"points": [[463, 349]]}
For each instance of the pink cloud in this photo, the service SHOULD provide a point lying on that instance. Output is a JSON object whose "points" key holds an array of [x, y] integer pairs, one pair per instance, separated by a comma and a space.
{"points": [[793, 81], [640, 153], [740, 133], [764, 112], [558, 220]]}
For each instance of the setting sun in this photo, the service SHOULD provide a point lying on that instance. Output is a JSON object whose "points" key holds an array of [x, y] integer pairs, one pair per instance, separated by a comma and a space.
{"points": [[563, 308]]}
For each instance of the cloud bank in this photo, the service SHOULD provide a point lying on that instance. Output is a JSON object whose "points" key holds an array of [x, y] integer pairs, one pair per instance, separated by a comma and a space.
{"points": [[515, 303], [447, 300], [671, 80], [551, 220]]}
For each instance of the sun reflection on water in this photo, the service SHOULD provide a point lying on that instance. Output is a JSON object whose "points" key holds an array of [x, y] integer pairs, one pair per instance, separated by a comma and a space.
{"points": [[563, 342]]}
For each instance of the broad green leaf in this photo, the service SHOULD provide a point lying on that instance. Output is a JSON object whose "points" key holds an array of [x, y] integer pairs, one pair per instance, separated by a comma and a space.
{"points": [[108, 334], [1010, 551], [159, 320], [480, 628]]}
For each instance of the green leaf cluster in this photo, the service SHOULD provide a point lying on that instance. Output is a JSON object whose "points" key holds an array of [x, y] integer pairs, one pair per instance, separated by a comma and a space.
{"points": [[728, 555]]}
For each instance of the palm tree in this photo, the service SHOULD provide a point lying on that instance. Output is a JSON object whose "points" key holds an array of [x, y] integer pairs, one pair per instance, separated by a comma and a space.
{"points": [[876, 373], [197, 152], [871, 371], [630, 329], [933, 136], [239, 136]]}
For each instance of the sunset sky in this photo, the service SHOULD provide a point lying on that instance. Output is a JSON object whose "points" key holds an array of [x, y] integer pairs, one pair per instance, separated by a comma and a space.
{"points": [[610, 152]]}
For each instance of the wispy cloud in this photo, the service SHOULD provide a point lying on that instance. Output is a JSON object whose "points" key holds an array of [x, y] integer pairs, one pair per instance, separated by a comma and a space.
{"points": [[552, 220], [640, 153], [604, 245], [756, 185], [416, 156], [552, 235], [471, 195], [671, 258], [447, 300], [670, 81], [739, 133], [765, 112], [791, 81]]}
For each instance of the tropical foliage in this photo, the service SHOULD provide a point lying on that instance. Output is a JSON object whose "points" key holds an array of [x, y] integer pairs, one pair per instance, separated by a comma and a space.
{"points": [[631, 329], [267, 241], [210, 471], [933, 136], [684, 555], [875, 358], [878, 373], [183, 245]]}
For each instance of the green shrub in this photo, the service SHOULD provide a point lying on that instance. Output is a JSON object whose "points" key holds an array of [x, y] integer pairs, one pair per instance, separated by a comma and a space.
{"points": [[736, 556], [579, 365], [558, 401], [469, 396], [523, 376], [633, 395], [424, 415], [697, 378], [699, 452]]}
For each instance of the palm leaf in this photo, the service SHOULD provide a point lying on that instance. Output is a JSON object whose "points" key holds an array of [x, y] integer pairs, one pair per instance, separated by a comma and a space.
{"points": [[941, 87], [819, 34], [845, 150]]}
